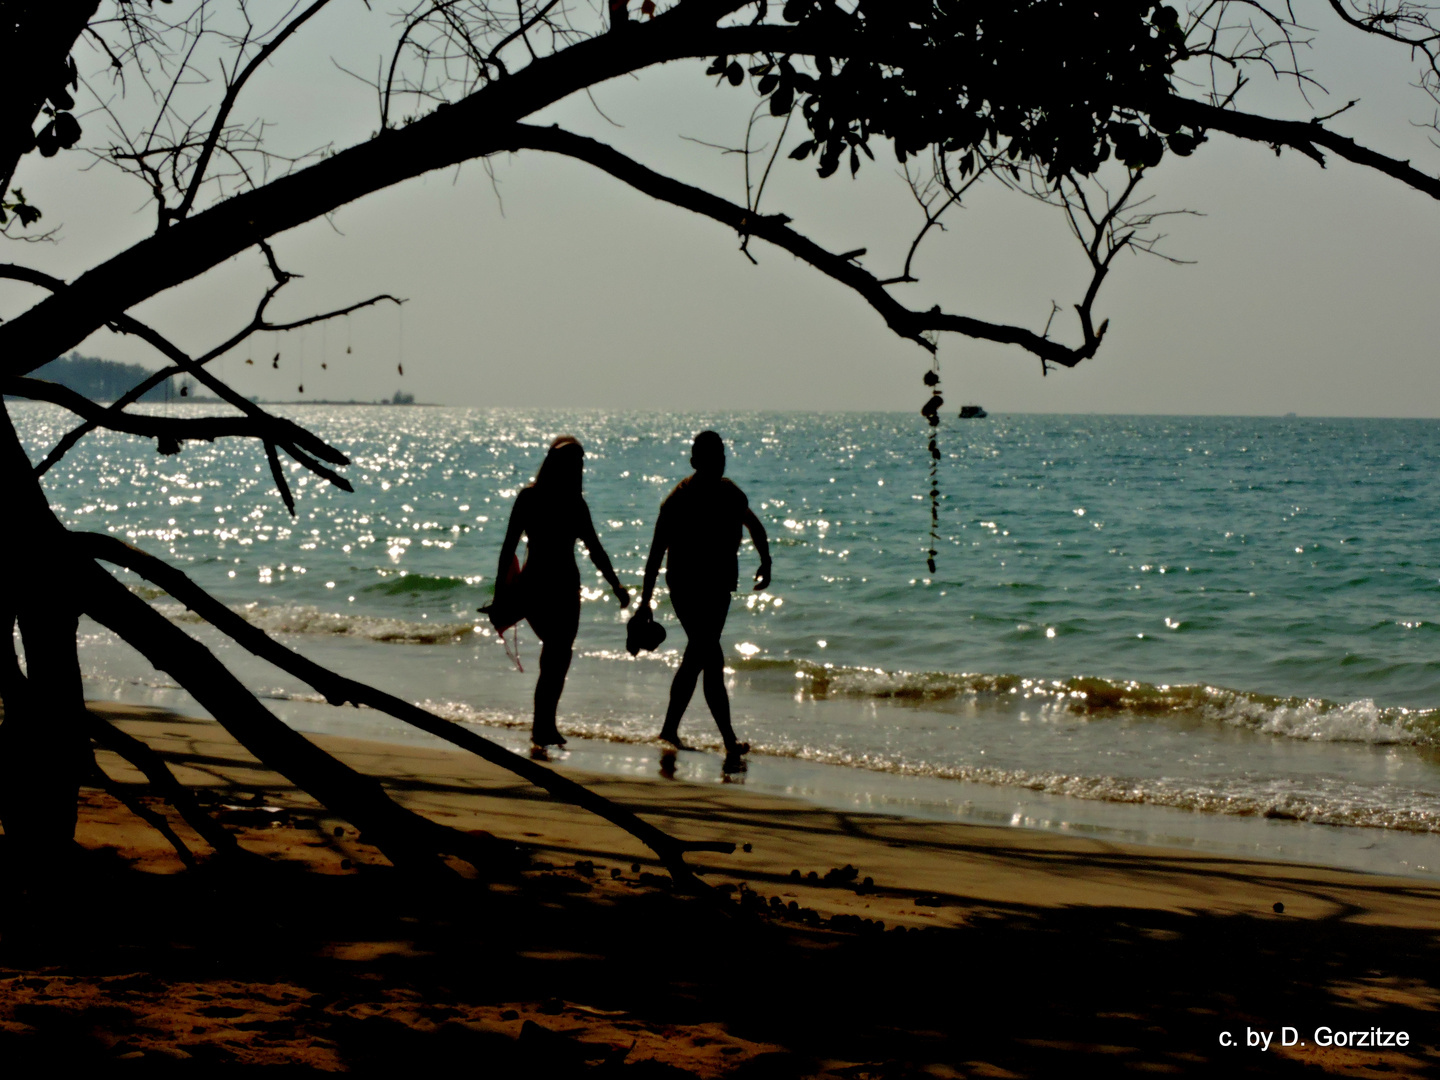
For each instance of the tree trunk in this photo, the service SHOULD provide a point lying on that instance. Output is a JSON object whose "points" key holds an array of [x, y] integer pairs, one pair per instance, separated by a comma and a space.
{"points": [[44, 753]]}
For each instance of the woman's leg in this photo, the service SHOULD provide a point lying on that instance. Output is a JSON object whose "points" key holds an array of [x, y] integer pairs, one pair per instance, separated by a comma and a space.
{"points": [[556, 623], [554, 665]]}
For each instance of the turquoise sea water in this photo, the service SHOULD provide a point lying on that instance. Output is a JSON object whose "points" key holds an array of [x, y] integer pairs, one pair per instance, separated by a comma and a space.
{"points": [[1226, 618]]}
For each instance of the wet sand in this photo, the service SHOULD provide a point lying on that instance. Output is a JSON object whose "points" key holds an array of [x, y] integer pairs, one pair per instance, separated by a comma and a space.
{"points": [[1003, 952]]}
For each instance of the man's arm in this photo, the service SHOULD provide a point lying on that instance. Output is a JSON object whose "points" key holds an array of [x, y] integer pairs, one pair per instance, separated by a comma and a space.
{"points": [[762, 545], [658, 545]]}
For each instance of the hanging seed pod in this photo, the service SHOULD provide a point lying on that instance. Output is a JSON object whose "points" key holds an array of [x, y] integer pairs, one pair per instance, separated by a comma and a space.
{"points": [[931, 411]]}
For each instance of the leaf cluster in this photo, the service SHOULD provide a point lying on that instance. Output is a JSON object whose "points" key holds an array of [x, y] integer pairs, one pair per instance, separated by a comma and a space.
{"points": [[63, 130], [37, 75], [1058, 83], [25, 213]]}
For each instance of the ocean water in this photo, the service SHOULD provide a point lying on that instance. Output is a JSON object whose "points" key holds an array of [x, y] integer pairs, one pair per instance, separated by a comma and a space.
{"points": [[1214, 632]]}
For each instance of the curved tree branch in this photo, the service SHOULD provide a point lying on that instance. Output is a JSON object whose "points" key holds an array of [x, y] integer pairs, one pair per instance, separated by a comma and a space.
{"points": [[339, 690], [471, 128], [775, 228], [167, 429], [163, 780], [1308, 137], [282, 432], [481, 124], [406, 838]]}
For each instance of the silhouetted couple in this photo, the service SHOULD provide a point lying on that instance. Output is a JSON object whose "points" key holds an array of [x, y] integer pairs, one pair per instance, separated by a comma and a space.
{"points": [[698, 529]]}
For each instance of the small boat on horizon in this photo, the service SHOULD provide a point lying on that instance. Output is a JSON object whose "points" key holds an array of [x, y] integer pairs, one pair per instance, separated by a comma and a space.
{"points": [[972, 412]]}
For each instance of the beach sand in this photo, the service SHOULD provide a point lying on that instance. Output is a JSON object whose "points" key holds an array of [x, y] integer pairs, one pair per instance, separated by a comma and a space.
{"points": [[1003, 952]]}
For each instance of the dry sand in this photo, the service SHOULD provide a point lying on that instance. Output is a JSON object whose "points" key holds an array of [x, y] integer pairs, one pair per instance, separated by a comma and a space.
{"points": [[1003, 952]]}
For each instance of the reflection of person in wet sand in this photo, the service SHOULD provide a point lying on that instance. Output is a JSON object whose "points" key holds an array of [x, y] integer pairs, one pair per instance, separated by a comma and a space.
{"points": [[699, 526], [552, 514]]}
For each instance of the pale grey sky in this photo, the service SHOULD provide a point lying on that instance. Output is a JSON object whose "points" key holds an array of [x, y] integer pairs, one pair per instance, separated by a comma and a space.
{"points": [[1313, 291]]}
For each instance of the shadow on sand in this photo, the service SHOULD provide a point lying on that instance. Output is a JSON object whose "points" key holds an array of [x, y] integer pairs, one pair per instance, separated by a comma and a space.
{"points": [[597, 967]]}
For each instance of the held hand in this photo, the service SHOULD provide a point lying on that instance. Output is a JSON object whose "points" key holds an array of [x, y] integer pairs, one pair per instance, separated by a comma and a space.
{"points": [[622, 594], [762, 576]]}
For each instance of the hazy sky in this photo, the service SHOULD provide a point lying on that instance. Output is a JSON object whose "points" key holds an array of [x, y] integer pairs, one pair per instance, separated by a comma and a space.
{"points": [[1312, 291]]}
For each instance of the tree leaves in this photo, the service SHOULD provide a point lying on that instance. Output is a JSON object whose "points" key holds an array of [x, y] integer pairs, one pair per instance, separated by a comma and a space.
{"points": [[1049, 82], [795, 10], [24, 212], [783, 100], [1183, 144]]}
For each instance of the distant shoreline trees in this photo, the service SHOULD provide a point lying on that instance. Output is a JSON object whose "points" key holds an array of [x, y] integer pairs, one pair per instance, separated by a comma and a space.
{"points": [[106, 380]]}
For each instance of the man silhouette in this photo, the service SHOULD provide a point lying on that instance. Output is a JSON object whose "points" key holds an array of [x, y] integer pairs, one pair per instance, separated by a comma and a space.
{"points": [[699, 527]]}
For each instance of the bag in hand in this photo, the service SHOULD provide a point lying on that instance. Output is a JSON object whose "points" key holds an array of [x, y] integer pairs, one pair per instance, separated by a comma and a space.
{"points": [[642, 632], [508, 606]]}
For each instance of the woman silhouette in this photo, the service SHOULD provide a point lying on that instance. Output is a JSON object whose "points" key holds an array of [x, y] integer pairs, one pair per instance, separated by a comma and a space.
{"points": [[552, 514]]}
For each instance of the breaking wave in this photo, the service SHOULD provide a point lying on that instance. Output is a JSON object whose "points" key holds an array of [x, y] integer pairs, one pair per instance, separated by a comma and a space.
{"points": [[1319, 719], [1314, 718], [1326, 801], [306, 619]]}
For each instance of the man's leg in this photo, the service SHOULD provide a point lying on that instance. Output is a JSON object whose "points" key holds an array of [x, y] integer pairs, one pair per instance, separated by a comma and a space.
{"points": [[682, 689], [703, 618], [688, 609], [718, 699]]}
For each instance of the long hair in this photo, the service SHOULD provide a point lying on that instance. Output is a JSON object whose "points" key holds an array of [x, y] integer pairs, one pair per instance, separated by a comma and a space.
{"points": [[562, 468]]}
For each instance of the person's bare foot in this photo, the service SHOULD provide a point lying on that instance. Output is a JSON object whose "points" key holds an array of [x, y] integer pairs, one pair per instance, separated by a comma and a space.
{"points": [[672, 737], [734, 763], [549, 736], [737, 749]]}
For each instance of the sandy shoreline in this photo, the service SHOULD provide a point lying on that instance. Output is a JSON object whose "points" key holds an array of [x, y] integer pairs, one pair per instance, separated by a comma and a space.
{"points": [[1035, 948]]}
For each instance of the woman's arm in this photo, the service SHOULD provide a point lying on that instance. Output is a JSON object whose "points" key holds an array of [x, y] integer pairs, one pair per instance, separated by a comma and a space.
{"points": [[512, 537], [591, 540], [762, 545]]}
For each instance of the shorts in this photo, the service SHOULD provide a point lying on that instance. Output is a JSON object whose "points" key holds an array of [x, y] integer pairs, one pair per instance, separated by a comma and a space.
{"points": [[702, 610]]}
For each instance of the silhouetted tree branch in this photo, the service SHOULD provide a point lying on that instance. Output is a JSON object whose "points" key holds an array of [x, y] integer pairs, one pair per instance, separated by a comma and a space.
{"points": [[140, 755], [406, 838], [1308, 137], [275, 430], [775, 229], [339, 690]]}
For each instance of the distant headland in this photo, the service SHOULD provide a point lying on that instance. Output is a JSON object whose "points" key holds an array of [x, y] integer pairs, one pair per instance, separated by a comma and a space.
{"points": [[104, 380], [109, 380]]}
